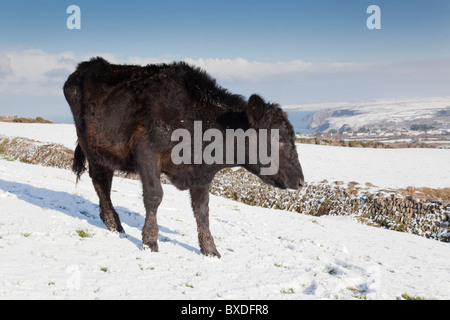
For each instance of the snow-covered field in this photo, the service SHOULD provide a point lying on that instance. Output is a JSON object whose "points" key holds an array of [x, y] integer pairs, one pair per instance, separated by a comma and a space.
{"points": [[266, 254], [63, 134], [387, 168]]}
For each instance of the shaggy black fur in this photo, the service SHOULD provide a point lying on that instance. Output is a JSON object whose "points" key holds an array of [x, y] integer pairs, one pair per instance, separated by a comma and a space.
{"points": [[125, 115]]}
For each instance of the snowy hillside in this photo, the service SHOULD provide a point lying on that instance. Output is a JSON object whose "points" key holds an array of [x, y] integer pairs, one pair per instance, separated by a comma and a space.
{"points": [[53, 244], [381, 113]]}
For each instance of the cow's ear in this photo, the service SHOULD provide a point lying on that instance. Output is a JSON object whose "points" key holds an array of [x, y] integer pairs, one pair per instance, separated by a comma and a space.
{"points": [[256, 107]]}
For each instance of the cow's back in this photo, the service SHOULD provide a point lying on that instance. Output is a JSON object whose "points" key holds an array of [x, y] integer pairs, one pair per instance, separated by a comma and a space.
{"points": [[114, 106]]}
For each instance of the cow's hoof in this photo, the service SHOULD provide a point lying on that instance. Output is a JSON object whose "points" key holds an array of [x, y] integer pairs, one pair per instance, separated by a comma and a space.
{"points": [[150, 246], [112, 221], [117, 229], [211, 252]]}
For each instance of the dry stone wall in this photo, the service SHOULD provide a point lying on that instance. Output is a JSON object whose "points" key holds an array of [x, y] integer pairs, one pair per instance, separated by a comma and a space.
{"points": [[429, 218], [30, 151]]}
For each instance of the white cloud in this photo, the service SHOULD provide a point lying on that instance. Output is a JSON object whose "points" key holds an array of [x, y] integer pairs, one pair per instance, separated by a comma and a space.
{"points": [[5, 65], [26, 70], [33, 64], [35, 72], [240, 68]]}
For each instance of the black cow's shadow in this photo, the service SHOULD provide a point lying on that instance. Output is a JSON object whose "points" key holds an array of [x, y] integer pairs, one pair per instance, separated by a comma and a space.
{"points": [[81, 208]]}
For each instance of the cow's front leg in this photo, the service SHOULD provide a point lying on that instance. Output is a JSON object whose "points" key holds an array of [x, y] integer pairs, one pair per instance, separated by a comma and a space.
{"points": [[152, 193], [152, 199], [200, 205]]}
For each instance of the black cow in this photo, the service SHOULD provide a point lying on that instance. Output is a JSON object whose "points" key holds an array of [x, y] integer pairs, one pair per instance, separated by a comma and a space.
{"points": [[125, 116]]}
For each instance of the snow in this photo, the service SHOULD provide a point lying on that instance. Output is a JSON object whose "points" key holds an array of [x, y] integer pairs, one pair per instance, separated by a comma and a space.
{"points": [[59, 133], [266, 254], [388, 168]]}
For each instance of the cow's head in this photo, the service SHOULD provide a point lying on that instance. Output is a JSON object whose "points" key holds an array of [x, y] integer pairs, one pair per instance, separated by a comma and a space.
{"points": [[288, 173]]}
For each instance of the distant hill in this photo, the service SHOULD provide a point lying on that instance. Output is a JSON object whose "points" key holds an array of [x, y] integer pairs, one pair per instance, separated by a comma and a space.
{"points": [[24, 120], [387, 113]]}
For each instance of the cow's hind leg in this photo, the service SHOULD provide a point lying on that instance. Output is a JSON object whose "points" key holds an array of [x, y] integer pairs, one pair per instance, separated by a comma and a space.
{"points": [[102, 180], [200, 205]]}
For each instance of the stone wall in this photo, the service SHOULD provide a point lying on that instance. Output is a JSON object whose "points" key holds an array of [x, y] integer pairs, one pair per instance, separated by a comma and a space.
{"points": [[30, 151], [429, 218]]}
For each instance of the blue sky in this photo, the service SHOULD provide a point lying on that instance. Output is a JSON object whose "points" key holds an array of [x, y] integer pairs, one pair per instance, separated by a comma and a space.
{"points": [[291, 52]]}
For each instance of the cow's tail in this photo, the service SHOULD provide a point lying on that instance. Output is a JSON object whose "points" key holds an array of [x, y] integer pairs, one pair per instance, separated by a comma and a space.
{"points": [[79, 162]]}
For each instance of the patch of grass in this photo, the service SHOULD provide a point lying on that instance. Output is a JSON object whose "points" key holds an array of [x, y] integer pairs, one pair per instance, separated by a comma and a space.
{"points": [[400, 227], [248, 201], [358, 293], [426, 193], [368, 222], [391, 224], [104, 269], [288, 291], [278, 265], [31, 120], [26, 235], [408, 297], [83, 233], [325, 207]]}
